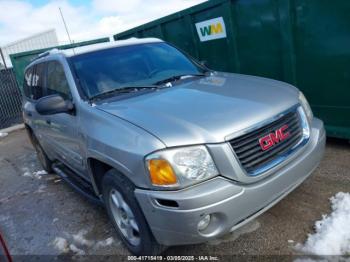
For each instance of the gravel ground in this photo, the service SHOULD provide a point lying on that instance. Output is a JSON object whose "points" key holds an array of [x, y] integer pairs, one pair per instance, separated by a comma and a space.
{"points": [[41, 215]]}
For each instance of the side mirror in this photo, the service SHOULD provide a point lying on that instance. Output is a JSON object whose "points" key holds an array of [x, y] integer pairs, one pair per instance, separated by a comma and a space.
{"points": [[53, 104]]}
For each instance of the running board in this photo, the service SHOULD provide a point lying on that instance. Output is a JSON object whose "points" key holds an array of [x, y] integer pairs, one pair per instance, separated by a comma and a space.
{"points": [[77, 183]]}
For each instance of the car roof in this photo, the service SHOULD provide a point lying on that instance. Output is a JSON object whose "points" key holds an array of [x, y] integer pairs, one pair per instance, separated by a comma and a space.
{"points": [[101, 46], [90, 48]]}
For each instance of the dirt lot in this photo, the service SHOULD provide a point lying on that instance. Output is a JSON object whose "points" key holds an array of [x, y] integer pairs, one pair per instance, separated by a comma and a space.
{"points": [[39, 214]]}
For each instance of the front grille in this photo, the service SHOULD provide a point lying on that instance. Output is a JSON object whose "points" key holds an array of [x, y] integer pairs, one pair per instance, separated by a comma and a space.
{"points": [[249, 151]]}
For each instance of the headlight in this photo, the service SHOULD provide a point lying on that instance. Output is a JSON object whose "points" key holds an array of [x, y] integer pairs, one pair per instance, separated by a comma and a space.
{"points": [[306, 106], [180, 167]]}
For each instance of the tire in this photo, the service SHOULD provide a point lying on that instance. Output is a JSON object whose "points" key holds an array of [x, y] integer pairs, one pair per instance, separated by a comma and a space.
{"points": [[128, 219], [45, 162]]}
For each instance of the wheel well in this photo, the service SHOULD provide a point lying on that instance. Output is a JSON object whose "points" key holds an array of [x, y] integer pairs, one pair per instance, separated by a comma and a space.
{"points": [[30, 133], [28, 128], [98, 169]]}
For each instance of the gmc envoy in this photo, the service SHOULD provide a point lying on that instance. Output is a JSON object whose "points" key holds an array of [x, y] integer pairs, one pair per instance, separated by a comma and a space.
{"points": [[177, 153]]}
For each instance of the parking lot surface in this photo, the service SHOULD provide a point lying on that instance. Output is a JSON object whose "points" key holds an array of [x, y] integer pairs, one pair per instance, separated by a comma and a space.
{"points": [[41, 215]]}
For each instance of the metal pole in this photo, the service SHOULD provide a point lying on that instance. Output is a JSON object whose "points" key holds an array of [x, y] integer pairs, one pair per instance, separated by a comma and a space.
{"points": [[65, 25], [3, 58]]}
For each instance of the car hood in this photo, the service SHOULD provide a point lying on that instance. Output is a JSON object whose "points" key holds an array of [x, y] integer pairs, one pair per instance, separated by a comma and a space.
{"points": [[205, 110]]}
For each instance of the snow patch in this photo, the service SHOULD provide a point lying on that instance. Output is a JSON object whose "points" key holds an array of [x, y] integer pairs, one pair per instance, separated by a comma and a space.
{"points": [[27, 173], [35, 174], [3, 134], [81, 240], [76, 250], [103, 243], [61, 244], [332, 236], [78, 244], [40, 173]]}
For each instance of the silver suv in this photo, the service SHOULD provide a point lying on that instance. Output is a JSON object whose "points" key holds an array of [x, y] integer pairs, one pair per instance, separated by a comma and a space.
{"points": [[177, 153]]}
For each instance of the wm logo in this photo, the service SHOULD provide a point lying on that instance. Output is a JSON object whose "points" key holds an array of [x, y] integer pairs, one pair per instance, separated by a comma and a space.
{"points": [[211, 29]]}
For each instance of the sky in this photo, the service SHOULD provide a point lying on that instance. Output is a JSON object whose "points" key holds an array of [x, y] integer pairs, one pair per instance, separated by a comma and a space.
{"points": [[86, 19]]}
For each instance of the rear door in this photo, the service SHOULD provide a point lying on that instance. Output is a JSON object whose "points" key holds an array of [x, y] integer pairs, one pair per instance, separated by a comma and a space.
{"points": [[62, 128], [28, 103], [33, 87], [38, 91]]}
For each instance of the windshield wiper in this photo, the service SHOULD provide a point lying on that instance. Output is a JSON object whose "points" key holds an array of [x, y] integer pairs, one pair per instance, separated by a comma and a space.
{"points": [[124, 89], [176, 77]]}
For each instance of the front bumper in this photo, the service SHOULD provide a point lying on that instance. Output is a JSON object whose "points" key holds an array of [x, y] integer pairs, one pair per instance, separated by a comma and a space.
{"points": [[230, 203]]}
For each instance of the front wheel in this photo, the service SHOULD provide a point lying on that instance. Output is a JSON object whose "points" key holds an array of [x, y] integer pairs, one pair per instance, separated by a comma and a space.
{"points": [[126, 215]]}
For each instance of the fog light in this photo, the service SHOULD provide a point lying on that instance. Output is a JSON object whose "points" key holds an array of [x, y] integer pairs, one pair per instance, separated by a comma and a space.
{"points": [[204, 223]]}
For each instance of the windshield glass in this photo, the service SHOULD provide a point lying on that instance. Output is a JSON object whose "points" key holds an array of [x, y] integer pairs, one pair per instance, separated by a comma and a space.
{"points": [[135, 65]]}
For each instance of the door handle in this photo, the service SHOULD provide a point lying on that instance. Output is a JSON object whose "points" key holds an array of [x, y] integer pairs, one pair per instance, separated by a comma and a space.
{"points": [[48, 121]]}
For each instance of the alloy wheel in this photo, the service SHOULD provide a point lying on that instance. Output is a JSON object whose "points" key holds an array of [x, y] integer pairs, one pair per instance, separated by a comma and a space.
{"points": [[124, 218]]}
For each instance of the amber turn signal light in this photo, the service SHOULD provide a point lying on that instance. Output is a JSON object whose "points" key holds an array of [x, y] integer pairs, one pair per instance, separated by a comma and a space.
{"points": [[161, 172]]}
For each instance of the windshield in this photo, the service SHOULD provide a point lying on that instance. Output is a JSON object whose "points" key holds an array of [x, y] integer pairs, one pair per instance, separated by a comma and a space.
{"points": [[136, 65]]}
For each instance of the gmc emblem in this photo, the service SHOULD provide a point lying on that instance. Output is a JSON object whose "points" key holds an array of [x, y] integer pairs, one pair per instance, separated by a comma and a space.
{"points": [[273, 138]]}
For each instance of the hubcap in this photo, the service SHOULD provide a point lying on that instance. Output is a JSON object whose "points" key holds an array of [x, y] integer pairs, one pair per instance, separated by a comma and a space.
{"points": [[124, 218]]}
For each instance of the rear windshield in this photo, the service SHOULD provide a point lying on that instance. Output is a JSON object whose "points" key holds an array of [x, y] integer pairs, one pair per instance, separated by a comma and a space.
{"points": [[135, 65]]}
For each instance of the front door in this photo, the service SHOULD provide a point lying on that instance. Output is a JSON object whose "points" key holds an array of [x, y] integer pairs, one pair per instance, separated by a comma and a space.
{"points": [[62, 129]]}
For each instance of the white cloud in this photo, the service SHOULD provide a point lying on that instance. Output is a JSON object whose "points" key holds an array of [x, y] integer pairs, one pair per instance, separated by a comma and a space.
{"points": [[110, 6], [108, 24], [19, 19], [23, 19]]}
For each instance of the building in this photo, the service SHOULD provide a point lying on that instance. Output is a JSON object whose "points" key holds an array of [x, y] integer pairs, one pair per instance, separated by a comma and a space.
{"points": [[38, 41]]}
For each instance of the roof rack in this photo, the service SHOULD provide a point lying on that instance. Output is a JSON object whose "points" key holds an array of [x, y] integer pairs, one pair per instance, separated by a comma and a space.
{"points": [[46, 53]]}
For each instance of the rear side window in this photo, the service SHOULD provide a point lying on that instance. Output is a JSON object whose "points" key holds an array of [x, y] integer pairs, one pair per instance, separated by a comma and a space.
{"points": [[38, 81], [34, 81], [56, 80], [27, 83]]}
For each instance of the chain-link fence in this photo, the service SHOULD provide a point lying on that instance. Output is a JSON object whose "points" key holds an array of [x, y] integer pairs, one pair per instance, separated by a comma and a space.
{"points": [[10, 99]]}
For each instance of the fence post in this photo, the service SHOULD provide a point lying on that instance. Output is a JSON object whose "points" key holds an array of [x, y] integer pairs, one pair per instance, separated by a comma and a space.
{"points": [[3, 58]]}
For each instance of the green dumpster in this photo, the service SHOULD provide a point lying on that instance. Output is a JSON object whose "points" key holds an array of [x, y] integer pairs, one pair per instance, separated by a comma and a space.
{"points": [[303, 42]]}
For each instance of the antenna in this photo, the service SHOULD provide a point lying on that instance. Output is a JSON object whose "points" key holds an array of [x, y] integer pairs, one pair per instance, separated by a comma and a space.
{"points": [[65, 26]]}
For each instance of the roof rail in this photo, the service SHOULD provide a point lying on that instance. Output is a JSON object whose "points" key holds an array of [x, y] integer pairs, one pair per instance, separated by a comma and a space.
{"points": [[46, 53]]}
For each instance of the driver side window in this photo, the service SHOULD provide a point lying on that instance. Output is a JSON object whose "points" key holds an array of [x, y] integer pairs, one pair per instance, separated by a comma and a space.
{"points": [[56, 80]]}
